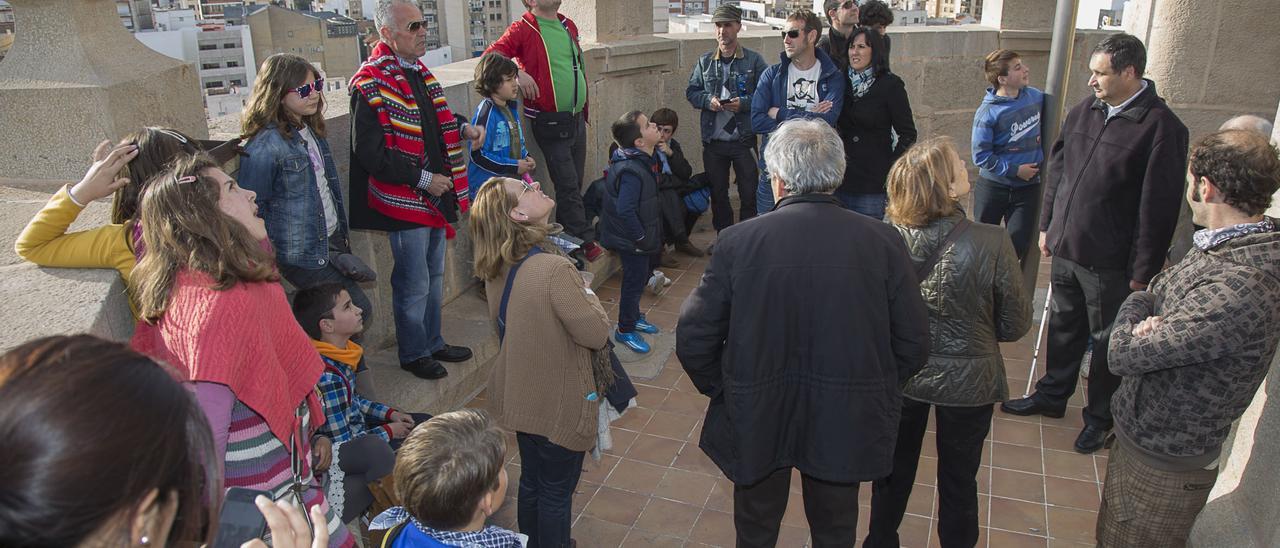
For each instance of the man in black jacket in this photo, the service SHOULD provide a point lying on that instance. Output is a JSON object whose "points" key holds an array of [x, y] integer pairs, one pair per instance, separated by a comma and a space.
{"points": [[805, 325], [843, 16], [1110, 207]]}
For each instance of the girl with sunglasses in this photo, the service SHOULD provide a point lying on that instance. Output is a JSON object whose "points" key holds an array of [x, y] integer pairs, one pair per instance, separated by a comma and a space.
{"points": [[290, 167], [123, 170], [211, 307]]}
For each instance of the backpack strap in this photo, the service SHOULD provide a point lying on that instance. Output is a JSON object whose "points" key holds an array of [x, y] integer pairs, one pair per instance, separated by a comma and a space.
{"points": [[506, 292], [926, 267], [392, 534]]}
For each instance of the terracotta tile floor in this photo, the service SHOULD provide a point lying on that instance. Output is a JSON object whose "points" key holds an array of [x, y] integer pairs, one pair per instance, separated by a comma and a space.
{"points": [[656, 487]]}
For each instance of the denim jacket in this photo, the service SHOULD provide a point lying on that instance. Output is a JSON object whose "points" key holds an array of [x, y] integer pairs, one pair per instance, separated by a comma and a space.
{"points": [[704, 83], [279, 170]]}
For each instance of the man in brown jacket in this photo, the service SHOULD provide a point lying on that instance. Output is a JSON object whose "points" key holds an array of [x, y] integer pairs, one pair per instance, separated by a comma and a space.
{"points": [[1110, 207], [1194, 349]]}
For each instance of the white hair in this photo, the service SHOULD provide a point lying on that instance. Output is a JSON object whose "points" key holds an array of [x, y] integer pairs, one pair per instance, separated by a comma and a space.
{"points": [[807, 155], [382, 12], [1249, 122]]}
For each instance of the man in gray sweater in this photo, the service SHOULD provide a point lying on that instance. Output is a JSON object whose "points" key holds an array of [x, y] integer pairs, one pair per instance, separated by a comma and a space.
{"points": [[1193, 349]]}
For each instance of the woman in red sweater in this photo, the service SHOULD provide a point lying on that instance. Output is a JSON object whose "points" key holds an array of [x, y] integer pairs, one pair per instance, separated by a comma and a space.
{"points": [[210, 304]]}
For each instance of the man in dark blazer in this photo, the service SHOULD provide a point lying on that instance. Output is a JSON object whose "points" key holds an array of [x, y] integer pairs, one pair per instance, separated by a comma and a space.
{"points": [[804, 327]]}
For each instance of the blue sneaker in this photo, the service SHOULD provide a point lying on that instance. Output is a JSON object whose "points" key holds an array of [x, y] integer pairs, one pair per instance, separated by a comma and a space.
{"points": [[643, 326], [632, 341]]}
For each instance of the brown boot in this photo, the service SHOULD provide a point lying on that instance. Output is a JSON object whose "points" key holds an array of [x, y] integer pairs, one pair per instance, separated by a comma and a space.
{"points": [[689, 249]]}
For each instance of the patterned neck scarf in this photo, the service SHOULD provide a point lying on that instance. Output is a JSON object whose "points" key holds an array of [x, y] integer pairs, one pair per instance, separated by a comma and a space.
{"points": [[860, 81], [1207, 239]]}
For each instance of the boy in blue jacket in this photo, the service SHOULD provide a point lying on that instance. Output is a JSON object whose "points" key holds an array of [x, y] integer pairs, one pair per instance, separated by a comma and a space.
{"points": [[1006, 149], [630, 219], [502, 154]]}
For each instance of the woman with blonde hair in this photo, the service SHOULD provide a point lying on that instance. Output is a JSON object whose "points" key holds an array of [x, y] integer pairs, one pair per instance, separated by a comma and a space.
{"points": [[971, 282], [546, 384], [290, 167], [210, 305]]}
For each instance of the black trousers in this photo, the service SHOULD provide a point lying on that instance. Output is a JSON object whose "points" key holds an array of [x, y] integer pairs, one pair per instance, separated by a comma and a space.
{"points": [[831, 508], [1085, 302], [1016, 208], [566, 164], [961, 431], [717, 158]]}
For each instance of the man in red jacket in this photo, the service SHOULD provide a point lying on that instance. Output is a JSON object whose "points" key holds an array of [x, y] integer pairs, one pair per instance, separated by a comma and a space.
{"points": [[552, 79]]}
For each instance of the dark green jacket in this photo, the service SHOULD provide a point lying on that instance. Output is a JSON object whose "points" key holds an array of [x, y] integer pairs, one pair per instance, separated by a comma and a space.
{"points": [[976, 300]]}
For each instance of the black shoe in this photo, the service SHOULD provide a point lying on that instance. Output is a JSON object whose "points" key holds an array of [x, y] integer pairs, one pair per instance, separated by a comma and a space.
{"points": [[1030, 406], [1092, 438], [425, 368], [452, 354]]}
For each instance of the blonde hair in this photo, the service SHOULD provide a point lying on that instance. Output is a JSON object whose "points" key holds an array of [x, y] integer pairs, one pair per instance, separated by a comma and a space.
{"points": [[277, 77], [497, 239], [919, 183], [185, 228]]}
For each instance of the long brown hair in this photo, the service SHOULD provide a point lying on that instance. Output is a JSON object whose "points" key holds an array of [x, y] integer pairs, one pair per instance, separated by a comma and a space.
{"points": [[919, 183], [498, 240], [157, 147], [278, 75], [90, 428], [185, 228]]}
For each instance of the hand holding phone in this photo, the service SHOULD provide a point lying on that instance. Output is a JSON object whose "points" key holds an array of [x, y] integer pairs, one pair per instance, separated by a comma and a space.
{"points": [[240, 520]]}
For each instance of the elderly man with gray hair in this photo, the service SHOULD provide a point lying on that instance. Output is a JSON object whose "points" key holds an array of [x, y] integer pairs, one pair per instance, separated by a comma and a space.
{"points": [[805, 325]]}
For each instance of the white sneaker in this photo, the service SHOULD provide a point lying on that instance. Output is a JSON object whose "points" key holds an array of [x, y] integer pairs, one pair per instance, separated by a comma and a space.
{"points": [[657, 282]]}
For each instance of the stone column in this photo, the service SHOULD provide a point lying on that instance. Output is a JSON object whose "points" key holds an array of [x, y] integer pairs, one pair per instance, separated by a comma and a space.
{"points": [[610, 20], [74, 77], [1205, 57]]}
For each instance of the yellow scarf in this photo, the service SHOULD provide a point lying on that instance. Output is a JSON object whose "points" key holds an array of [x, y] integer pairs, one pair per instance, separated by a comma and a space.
{"points": [[350, 355]]}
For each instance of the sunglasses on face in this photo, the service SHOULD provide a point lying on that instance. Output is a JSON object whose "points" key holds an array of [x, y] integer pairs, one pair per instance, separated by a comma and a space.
{"points": [[305, 90], [792, 34], [417, 25], [848, 5]]}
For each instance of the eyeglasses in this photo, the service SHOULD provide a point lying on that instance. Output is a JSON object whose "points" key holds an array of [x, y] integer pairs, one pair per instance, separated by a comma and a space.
{"points": [[793, 34], [849, 4], [417, 25], [526, 186], [304, 90]]}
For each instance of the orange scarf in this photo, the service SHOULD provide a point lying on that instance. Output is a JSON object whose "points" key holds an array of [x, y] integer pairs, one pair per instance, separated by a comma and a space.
{"points": [[349, 356]]}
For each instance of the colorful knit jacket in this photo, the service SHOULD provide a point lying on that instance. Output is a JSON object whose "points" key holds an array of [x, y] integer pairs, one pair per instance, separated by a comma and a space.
{"points": [[381, 82]]}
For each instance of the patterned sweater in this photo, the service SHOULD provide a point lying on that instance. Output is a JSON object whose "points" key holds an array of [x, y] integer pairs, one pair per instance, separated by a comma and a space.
{"points": [[254, 458], [1187, 381], [348, 415]]}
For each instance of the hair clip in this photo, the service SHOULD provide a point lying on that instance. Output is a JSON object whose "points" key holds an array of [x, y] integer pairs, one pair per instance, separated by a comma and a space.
{"points": [[170, 133], [184, 180]]}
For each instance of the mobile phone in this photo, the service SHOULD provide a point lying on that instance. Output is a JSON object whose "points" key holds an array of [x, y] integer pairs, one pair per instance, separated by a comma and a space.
{"points": [[240, 520]]}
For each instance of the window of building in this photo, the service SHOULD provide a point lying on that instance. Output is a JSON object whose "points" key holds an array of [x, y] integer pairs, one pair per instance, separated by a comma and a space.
{"points": [[230, 45], [237, 82], [209, 66], [207, 47], [233, 64], [212, 85]]}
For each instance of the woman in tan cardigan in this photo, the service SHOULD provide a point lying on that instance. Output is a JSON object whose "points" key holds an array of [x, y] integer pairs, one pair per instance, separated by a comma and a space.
{"points": [[542, 385]]}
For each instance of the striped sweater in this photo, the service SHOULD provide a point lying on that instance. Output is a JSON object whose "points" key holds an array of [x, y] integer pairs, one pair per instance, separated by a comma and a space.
{"points": [[254, 458]]}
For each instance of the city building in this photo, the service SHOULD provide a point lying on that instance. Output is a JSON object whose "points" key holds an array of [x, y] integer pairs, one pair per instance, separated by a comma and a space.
{"points": [[175, 18], [952, 9], [222, 54], [6, 27], [326, 39], [136, 15]]}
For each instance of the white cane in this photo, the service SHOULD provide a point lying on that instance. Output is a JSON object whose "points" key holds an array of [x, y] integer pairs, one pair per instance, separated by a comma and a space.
{"points": [[1044, 317]]}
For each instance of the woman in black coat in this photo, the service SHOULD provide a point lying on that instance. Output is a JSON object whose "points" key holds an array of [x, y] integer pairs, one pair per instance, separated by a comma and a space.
{"points": [[875, 105]]}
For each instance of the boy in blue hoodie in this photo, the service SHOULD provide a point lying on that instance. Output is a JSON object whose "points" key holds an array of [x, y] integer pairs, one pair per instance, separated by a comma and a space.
{"points": [[1006, 149], [630, 219], [502, 154]]}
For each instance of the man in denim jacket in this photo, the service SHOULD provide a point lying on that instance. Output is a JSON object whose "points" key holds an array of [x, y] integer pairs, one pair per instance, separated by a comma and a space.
{"points": [[721, 87]]}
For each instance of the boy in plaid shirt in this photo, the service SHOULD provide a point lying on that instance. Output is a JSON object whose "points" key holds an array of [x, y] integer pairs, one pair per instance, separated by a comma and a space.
{"points": [[364, 433]]}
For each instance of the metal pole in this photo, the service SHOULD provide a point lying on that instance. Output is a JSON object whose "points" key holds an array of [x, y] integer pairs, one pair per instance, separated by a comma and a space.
{"points": [[1055, 87]]}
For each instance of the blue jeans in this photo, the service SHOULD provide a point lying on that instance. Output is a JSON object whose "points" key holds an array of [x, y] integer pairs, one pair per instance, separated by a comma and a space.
{"points": [[764, 191], [871, 205], [417, 290], [636, 270], [549, 474], [994, 203]]}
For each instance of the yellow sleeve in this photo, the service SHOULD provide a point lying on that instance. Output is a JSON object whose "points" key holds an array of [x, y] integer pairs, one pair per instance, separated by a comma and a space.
{"points": [[45, 240]]}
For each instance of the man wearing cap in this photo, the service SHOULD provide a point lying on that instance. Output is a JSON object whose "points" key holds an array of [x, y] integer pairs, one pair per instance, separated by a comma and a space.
{"points": [[843, 17], [721, 86]]}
